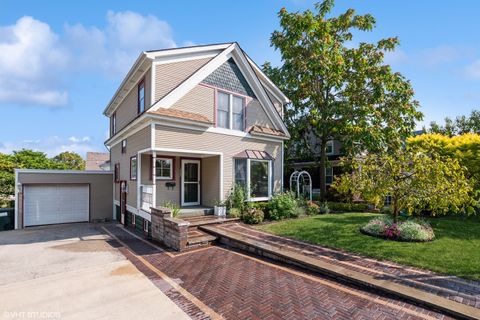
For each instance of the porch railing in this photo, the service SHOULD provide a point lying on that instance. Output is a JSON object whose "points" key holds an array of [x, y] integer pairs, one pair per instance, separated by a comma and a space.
{"points": [[146, 197]]}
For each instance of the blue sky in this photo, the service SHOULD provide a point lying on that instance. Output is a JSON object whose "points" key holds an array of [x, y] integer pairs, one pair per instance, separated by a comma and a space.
{"points": [[61, 61]]}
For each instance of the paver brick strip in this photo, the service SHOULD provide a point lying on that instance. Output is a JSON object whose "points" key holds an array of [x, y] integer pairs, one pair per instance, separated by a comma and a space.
{"points": [[296, 257], [238, 286], [453, 288]]}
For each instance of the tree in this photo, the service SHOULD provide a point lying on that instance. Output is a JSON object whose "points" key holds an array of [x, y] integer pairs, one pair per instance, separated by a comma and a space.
{"points": [[461, 125], [465, 148], [70, 160], [29, 159], [338, 90], [416, 181]]}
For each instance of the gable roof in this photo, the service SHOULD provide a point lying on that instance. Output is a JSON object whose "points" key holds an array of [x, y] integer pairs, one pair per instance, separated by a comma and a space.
{"points": [[179, 114], [219, 54], [233, 51]]}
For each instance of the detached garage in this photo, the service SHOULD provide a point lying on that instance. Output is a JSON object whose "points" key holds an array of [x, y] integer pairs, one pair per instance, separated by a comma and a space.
{"points": [[55, 196]]}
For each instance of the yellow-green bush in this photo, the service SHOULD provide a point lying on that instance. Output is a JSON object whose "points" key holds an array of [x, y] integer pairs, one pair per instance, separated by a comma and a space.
{"points": [[465, 148]]}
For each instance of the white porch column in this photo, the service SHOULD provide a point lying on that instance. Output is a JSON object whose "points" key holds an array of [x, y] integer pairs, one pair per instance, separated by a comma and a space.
{"points": [[154, 180], [139, 181]]}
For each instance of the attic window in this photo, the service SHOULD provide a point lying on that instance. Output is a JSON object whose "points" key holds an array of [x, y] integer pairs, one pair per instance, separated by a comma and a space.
{"points": [[230, 111]]}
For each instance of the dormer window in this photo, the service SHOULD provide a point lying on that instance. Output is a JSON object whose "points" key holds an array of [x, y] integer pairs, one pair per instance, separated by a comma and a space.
{"points": [[141, 97], [230, 111]]}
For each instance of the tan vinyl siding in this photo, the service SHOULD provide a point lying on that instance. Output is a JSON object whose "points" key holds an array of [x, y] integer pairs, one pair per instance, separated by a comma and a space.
{"points": [[128, 109], [166, 137], [146, 170], [210, 180], [169, 75], [136, 142], [256, 115], [199, 100], [101, 189], [169, 195]]}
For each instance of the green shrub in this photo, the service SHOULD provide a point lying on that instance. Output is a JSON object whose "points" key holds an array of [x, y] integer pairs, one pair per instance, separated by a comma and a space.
{"points": [[324, 208], [406, 230], [234, 213], [282, 206], [260, 205], [236, 198], [347, 207], [414, 231], [312, 208], [386, 210], [253, 216]]}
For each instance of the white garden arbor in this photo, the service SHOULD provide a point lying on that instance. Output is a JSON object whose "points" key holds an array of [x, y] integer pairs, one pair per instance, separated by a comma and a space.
{"points": [[301, 182]]}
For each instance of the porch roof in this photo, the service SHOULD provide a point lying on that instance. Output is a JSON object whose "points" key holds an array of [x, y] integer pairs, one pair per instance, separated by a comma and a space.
{"points": [[253, 154]]}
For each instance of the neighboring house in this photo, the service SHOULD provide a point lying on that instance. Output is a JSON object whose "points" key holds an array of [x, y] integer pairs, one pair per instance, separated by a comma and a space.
{"points": [[186, 124], [334, 152], [97, 161]]}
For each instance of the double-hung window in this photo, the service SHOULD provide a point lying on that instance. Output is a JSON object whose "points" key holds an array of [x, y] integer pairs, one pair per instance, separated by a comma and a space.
{"points": [[255, 176], [230, 111], [164, 168], [330, 149], [141, 97]]}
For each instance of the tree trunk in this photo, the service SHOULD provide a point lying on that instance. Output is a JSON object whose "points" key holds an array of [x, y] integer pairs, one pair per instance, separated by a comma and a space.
{"points": [[395, 210], [323, 165]]}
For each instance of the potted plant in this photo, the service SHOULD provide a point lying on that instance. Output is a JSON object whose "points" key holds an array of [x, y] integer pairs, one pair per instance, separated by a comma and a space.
{"points": [[220, 209]]}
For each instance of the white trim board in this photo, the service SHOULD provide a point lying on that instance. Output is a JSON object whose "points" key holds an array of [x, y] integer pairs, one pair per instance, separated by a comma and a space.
{"points": [[62, 171]]}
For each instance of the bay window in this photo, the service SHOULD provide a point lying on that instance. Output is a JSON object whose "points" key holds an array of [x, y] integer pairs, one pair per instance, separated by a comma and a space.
{"points": [[255, 176], [230, 111]]}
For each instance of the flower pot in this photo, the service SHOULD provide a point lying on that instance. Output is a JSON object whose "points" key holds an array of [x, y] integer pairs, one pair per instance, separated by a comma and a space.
{"points": [[220, 211]]}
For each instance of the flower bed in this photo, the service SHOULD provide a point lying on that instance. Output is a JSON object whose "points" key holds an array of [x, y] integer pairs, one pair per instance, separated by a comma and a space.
{"points": [[408, 230]]}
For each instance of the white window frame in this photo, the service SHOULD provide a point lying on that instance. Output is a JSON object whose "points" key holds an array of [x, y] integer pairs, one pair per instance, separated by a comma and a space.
{"points": [[331, 144], [124, 146], [133, 219], [230, 110], [248, 182], [134, 173], [329, 175], [145, 225], [170, 177]]}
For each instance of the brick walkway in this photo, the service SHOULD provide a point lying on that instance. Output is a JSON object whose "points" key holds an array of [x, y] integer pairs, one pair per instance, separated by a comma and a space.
{"points": [[454, 288], [215, 282]]}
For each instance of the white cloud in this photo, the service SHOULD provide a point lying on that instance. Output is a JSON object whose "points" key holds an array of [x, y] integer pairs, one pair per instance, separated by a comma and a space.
{"points": [[395, 57], [31, 57], [34, 60], [54, 145], [473, 70], [115, 48], [441, 55]]}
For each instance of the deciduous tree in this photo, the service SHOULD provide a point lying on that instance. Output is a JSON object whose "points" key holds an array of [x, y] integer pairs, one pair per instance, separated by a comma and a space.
{"points": [[340, 89]]}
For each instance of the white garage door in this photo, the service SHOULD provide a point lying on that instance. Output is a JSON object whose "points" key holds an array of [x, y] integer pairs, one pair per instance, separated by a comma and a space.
{"points": [[55, 203]]}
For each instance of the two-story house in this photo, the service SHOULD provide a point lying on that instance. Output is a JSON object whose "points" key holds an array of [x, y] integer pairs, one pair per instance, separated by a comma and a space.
{"points": [[187, 124]]}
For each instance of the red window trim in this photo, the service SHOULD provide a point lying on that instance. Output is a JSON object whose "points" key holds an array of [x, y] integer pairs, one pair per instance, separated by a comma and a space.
{"points": [[131, 178], [140, 85], [173, 168]]}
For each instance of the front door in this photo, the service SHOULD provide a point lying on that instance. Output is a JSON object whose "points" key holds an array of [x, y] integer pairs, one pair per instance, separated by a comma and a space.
{"points": [[190, 182]]}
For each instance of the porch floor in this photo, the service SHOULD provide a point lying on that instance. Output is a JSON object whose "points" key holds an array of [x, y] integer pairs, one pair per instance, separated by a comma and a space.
{"points": [[195, 211], [205, 220]]}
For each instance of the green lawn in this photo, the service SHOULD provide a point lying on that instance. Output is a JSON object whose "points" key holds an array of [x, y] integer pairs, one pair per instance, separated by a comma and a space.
{"points": [[456, 250]]}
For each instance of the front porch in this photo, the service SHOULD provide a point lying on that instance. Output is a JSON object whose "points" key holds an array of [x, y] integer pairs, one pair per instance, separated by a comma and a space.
{"points": [[189, 180]]}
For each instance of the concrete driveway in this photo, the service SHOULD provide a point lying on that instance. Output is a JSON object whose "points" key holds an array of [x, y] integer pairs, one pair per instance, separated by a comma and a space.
{"points": [[74, 272]]}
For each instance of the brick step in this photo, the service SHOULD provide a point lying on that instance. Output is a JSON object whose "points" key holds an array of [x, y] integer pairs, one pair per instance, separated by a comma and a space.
{"points": [[203, 221], [198, 238]]}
